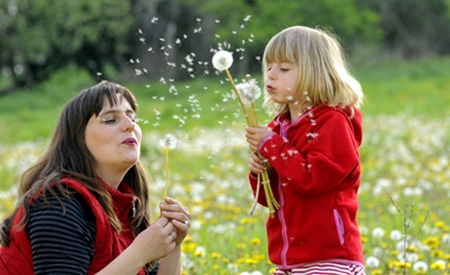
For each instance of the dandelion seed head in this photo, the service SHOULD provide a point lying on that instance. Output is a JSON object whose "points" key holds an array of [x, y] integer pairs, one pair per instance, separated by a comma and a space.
{"points": [[222, 60], [249, 91], [420, 266], [372, 262], [169, 142], [378, 233]]}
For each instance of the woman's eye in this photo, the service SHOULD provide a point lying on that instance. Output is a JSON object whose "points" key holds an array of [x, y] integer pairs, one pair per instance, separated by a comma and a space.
{"points": [[109, 120]]}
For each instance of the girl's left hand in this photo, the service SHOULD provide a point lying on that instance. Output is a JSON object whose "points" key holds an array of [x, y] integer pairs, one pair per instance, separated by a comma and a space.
{"points": [[255, 135], [180, 217]]}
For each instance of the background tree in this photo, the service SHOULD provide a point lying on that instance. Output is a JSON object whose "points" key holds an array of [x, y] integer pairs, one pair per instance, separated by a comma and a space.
{"points": [[175, 39], [41, 36]]}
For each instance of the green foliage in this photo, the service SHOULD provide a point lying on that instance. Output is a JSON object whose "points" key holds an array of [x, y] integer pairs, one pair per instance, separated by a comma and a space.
{"points": [[417, 87], [43, 35]]}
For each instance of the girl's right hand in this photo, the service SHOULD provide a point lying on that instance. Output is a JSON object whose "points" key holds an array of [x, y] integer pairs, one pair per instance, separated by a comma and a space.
{"points": [[258, 164], [156, 241]]}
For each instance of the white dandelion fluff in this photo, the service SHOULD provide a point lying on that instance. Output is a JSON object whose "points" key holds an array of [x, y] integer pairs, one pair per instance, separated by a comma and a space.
{"points": [[222, 60], [249, 91], [169, 142], [372, 262], [420, 266]]}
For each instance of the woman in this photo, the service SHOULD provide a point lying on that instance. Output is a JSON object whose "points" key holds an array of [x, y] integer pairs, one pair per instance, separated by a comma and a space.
{"points": [[83, 207]]}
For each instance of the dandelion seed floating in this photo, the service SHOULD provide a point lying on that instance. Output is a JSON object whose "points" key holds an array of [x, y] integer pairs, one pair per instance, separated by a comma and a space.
{"points": [[167, 144]]}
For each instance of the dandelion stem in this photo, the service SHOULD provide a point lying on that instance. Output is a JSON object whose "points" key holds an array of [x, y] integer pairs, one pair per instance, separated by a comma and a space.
{"points": [[258, 188], [237, 93], [167, 173]]}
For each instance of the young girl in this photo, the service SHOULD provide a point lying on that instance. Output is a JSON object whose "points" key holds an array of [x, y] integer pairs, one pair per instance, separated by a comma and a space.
{"points": [[310, 150]]}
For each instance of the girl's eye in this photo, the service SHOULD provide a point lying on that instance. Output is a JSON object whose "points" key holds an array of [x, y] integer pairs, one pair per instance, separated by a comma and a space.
{"points": [[284, 69]]}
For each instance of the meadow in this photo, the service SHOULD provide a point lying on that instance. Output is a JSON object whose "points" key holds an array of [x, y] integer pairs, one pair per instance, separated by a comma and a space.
{"points": [[405, 187]]}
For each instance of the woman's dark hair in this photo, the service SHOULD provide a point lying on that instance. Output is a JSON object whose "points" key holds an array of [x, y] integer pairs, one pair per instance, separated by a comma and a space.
{"points": [[68, 156]]}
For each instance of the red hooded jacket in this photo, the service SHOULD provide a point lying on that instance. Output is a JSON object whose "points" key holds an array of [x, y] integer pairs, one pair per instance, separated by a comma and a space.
{"points": [[16, 259], [315, 179]]}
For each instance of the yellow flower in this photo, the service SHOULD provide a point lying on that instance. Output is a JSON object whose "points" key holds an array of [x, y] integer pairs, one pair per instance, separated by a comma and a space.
{"points": [[440, 224], [377, 272], [437, 253], [432, 242], [438, 265], [216, 255], [255, 241]]}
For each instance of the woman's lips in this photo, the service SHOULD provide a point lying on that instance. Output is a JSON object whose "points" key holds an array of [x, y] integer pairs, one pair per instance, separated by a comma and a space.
{"points": [[130, 141]]}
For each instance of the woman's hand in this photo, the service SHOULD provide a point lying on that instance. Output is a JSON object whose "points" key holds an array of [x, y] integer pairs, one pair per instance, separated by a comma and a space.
{"points": [[157, 240], [255, 135], [179, 216]]}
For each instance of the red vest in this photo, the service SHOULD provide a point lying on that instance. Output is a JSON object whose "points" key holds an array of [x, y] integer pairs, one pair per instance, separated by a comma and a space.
{"points": [[16, 259]]}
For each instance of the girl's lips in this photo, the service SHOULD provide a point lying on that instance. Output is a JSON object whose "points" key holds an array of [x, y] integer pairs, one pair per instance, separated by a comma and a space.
{"points": [[270, 88], [130, 141]]}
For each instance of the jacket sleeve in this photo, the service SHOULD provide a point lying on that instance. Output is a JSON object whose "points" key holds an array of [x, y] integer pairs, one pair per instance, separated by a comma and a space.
{"points": [[319, 165]]}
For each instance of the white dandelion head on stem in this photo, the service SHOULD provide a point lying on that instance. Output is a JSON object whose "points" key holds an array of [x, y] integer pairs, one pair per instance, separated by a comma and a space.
{"points": [[249, 91], [222, 60], [169, 142]]}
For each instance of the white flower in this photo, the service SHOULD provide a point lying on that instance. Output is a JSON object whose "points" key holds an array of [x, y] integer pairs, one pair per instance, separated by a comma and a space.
{"points": [[396, 235], [249, 91], [378, 232], [222, 60], [420, 266], [169, 142], [372, 262]]}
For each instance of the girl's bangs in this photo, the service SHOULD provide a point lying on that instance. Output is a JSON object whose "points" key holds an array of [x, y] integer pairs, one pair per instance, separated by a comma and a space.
{"points": [[280, 50]]}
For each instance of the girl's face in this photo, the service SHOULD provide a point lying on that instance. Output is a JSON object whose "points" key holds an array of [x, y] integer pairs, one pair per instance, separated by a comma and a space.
{"points": [[114, 138], [281, 82]]}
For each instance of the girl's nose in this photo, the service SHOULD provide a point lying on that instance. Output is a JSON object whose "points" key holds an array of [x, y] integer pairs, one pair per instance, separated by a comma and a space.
{"points": [[271, 75]]}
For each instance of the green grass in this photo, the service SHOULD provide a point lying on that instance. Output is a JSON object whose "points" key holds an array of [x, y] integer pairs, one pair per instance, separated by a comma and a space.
{"points": [[413, 87]]}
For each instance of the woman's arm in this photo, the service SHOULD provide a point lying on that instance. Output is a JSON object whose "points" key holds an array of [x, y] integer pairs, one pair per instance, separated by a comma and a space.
{"points": [[61, 244], [161, 240]]}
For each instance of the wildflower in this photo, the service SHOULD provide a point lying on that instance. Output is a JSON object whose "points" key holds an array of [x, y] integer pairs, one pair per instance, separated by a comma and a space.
{"points": [[168, 143], [439, 265], [372, 262], [378, 233], [432, 242], [200, 251], [395, 235], [420, 267], [255, 241], [249, 91], [222, 60]]}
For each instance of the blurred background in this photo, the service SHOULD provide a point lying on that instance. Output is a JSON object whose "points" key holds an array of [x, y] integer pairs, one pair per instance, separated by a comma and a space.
{"points": [[120, 39]]}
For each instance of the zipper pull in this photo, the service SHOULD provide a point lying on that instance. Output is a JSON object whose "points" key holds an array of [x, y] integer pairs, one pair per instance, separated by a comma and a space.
{"points": [[133, 209]]}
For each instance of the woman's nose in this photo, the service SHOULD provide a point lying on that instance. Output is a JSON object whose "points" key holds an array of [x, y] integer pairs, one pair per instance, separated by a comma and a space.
{"points": [[129, 124]]}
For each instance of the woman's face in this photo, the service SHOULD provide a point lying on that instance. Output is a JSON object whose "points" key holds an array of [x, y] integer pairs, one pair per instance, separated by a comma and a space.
{"points": [[113, 138]]}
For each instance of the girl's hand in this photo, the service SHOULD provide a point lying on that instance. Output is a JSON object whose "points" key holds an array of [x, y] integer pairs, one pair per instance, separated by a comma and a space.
{"points": [[258, 164], [179, 216], [255, 135]]}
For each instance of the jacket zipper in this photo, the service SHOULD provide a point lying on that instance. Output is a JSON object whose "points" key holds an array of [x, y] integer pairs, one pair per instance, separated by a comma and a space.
{"points": [[133, 208], [284, 233]]}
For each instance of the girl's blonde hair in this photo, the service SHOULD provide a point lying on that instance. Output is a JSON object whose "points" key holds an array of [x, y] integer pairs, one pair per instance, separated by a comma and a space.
{"points": [[324, 77]]}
